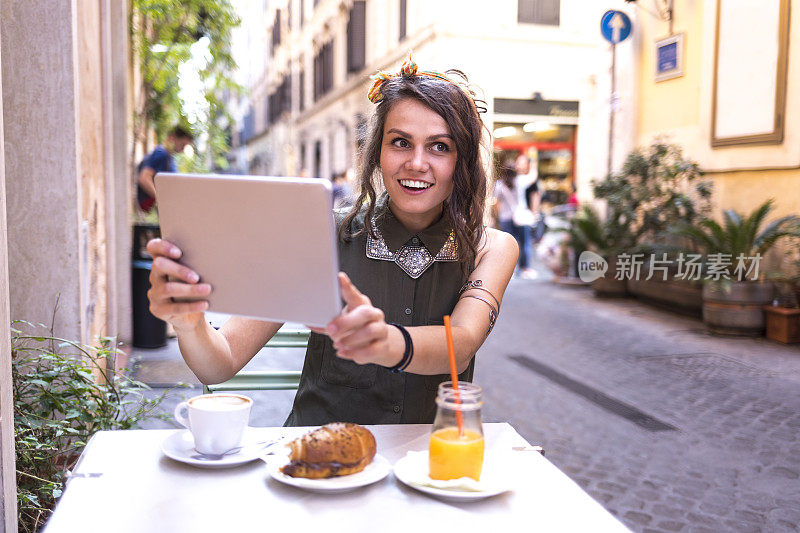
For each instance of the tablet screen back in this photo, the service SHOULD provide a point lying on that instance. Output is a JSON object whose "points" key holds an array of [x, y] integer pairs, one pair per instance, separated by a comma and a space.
{"points": [[266, 245]]}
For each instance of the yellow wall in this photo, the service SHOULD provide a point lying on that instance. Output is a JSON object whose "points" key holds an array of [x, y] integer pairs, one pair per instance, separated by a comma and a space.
{"points": [[744, 190], [679, 109], [671, 104]]}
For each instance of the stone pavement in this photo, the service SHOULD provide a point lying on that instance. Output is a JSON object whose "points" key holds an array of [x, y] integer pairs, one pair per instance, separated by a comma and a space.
{"points": [[731, 463], [671, 429]]}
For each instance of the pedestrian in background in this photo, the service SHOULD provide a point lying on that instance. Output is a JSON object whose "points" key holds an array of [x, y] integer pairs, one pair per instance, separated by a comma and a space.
{"points": [[572, 198], [342, 191], [507, 203], [528, 181], [161, 159]]}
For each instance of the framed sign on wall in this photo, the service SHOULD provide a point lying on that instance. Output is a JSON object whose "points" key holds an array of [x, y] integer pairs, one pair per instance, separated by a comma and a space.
{"points": [[669, 57], [750, 64]]}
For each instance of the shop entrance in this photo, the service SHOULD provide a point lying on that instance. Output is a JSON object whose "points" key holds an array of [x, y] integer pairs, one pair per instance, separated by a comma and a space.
{"points": [[551, 150]]}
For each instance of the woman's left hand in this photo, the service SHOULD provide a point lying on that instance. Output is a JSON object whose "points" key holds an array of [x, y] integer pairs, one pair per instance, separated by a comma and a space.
{"points": [[360, 332]]}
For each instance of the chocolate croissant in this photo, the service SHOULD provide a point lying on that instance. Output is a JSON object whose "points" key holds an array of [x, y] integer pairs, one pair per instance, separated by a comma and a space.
{"points": [[336, 449]]}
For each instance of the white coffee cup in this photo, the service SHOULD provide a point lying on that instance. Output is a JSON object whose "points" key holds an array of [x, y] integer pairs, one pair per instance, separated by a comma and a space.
{"points": [[216, 421]]}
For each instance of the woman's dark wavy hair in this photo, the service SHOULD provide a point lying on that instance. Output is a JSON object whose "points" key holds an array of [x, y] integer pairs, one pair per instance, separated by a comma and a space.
{"points": [[464, 209]]}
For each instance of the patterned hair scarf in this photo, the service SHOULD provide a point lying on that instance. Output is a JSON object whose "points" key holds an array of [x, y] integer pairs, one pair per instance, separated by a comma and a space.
{"points": [[408, 70]]}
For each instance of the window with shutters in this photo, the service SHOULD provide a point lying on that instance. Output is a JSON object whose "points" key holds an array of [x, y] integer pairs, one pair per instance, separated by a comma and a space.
{"points": [[248, 129], [403, 15], [318, 159], [302, 12], [301, 96], [279, 101], [317, 76], [327, 67], [323, 71], [286, 94], [267, 111], [272, 108], [276, 30], [539, 12], [356, 36]]}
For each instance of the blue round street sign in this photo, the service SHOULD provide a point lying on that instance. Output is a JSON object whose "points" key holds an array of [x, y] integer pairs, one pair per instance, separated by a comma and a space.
{"points": [[615, 26]]}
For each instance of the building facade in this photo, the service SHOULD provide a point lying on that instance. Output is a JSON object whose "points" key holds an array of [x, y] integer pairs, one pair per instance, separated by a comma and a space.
{"points": [[541, 66], [732, 100]]}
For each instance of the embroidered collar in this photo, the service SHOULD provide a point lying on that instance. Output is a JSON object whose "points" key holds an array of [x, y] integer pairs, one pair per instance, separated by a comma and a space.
{"points": [[411, 252]]}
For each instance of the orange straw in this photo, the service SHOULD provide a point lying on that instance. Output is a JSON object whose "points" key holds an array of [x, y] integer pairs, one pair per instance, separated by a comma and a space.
{"points": [[451, 354]]}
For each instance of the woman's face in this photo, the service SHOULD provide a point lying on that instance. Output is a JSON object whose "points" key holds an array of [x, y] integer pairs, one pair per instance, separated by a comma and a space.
{"points": [[418, 156]]}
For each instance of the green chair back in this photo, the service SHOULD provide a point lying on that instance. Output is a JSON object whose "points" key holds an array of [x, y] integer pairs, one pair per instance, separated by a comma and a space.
{"points": [[254, 380]]}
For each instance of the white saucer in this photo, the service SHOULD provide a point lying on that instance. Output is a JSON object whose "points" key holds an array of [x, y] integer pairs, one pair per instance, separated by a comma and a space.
{"points": [[378, 469], [180, 447], [412, 470]]}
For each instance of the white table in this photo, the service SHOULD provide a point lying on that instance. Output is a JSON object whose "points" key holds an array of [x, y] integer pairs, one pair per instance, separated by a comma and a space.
{"points": [[141, 490]]}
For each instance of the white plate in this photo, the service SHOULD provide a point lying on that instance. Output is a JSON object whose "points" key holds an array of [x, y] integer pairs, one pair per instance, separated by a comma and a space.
{"points": [[412, 470], [180, 447], [378, 469]]}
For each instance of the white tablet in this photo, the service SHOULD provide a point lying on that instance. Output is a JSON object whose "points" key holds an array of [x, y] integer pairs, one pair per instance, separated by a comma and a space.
{"points": [[266, 245]]}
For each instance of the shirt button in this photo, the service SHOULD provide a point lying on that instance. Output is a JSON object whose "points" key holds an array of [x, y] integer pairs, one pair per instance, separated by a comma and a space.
{"points": [[414, 241], [396, 409], [408, 310]]}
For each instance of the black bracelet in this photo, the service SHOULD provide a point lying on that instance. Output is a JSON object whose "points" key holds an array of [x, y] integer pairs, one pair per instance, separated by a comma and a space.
{"points": [[408, 354]]}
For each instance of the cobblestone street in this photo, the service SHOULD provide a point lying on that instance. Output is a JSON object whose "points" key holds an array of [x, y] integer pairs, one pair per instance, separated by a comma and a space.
{"points": [[731, 463], [671, 429]]}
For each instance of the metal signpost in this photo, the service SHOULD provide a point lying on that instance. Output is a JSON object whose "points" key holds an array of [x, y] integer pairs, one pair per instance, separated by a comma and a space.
{"points": [[616, 27]]}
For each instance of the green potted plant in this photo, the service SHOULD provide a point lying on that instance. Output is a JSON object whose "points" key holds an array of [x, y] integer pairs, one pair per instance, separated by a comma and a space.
{"points": [[569, 249], [63, 394], [734, 292], [606, 238], [656, 187]]}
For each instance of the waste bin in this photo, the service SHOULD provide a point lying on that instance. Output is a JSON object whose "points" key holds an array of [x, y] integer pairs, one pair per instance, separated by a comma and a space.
{"points": [[142, 233], [148, 331]]}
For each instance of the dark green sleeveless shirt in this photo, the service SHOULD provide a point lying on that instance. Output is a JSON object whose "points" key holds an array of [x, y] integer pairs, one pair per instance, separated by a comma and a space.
{"points": [[338, 390]]}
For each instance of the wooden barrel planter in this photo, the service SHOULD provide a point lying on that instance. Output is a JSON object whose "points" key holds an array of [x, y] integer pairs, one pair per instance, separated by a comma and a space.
{"points": [[736, 307], [609, 286], [677, 295]]}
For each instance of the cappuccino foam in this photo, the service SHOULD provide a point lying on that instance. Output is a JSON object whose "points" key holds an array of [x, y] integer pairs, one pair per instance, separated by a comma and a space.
{"points": [[219, 402]]}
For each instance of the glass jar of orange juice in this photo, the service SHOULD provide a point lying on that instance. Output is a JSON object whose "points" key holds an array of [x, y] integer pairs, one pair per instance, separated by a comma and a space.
{"points": [[456, 444]]}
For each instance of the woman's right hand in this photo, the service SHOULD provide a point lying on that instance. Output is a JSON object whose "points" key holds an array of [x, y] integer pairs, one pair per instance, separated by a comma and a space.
{"points": [[184, 283]]}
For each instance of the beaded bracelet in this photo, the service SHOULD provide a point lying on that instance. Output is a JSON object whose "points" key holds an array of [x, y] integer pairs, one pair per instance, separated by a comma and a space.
{"points": [[408, 353]]}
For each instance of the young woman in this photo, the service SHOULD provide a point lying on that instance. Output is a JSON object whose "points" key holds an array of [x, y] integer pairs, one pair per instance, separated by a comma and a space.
{"points": [[409, 255]]}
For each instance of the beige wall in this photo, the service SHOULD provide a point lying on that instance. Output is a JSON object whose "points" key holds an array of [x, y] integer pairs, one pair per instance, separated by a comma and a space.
{"points": [[680, 109], [8, 495], [67, 178], [41, 171]]}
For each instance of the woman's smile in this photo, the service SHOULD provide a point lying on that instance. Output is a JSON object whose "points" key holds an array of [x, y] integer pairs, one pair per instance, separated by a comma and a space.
{"points": [[412, 186]]}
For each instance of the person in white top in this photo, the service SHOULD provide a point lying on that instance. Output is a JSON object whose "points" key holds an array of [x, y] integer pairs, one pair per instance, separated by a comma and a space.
{"points": [[508, 208]]}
